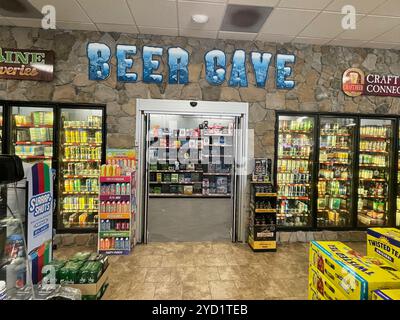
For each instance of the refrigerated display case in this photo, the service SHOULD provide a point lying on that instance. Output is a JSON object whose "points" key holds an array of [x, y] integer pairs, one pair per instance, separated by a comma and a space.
{"points": [[1, 129], [81, 150], [335, 175], [398, 181], [375, 167], [190, 156], [32, 133], [294, 170]]}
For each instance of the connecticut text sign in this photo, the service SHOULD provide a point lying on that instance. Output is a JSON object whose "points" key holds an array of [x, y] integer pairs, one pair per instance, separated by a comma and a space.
{"points": [[178, 59], [26, 64]]}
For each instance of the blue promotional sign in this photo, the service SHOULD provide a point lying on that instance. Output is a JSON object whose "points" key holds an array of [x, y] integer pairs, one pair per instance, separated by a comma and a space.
{"points": [[215, 61]]}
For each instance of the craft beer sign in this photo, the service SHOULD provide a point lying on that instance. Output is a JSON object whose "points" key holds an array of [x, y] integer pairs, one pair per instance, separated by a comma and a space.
{"points": [[215, 62], [26, 64], [356, 83]]}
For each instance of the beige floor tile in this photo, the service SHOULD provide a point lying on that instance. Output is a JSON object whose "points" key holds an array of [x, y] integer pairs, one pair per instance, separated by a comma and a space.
{"points": [[196, 290], [160, 274], [142, 291], [168, 291], [275, 288], [230, 272], [147, 261], [210, 260], [224, 290], [207, 273]]}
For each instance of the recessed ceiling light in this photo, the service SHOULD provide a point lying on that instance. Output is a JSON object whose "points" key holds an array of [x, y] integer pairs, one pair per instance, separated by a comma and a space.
{"points": [[199, 18]]}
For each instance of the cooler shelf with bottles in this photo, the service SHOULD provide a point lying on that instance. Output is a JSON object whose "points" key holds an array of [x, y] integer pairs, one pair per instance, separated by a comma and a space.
{"points": [[117, 210], [336, 153], [80, 152], [294, 170], [376, 140]]}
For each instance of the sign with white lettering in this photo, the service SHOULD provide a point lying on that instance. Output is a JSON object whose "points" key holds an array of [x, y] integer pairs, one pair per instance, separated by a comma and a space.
{"points": [[215, 62], [356, 83]]}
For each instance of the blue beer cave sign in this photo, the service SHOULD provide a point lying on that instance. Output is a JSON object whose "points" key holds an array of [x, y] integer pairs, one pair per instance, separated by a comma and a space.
{"points": [[215, 61]]}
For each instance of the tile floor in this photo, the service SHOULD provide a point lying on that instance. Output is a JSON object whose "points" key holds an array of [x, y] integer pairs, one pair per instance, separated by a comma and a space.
{"points": [[208, 270]]}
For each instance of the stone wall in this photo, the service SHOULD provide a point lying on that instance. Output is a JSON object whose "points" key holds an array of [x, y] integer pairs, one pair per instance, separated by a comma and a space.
{"points": [[317, 72]]}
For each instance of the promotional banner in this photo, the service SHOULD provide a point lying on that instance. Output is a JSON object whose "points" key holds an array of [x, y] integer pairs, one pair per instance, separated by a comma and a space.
{"points": [[40, 206], [26, 64]]}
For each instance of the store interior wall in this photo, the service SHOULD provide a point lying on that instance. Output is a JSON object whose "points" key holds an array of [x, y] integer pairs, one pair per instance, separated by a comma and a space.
{"points": [[317, 73]]}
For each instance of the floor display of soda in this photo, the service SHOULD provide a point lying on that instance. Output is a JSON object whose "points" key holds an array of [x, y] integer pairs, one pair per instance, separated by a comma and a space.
{"points": [[208, 270]]}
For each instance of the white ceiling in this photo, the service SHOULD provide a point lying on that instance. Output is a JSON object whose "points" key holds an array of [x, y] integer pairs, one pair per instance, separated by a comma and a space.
{"points": [[299, 21]]}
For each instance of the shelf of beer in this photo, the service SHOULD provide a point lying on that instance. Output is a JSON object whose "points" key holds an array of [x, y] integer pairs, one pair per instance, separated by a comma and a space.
{"points": [[334, 148], [81, 160], [295, 171], [28, 143], [169, 182], [293, 198], [80, 192], [331, 163], [293, 184], [265, 210], [80, 176], [295, 131], [82, 127], [281, 157], [374, 137], [27, 126], [335, 134], [373, 151], [372, 197], [373, 179], [33, 157], [265, 194], [363, 165], [366, 220], [104, 197], [115, 215], [91, 144], [334, 179], [327, 195]]}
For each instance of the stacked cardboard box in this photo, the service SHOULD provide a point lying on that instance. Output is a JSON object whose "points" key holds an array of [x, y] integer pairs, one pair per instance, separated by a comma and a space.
{"points": [[339, 273]]}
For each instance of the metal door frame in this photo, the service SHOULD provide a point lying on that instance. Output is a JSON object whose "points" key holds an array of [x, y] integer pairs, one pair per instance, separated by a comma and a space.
{"points": [[195, 108]]}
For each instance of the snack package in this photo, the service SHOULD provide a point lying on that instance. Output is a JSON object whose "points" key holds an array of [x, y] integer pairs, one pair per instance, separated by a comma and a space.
{"points": [[352, 273], [393, 294], [313, 294], [326, 289], [384, 243]]}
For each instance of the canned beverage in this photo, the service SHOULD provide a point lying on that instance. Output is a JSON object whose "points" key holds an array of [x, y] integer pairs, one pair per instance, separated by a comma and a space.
{"points": [[67, 136], [72, 136], [77, 136]]}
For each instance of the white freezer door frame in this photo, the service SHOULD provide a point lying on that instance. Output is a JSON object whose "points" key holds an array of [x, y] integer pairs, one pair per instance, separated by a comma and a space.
{"points": [[196, 108]]}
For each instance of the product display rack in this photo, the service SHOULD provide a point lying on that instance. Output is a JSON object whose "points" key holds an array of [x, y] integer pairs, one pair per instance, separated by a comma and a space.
{"points": [[263, 217], [117, 213], [206, 171], [350, 174]]}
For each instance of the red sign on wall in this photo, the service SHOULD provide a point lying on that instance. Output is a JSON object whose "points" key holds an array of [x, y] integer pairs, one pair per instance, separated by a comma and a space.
{"points": [[355, 83]]}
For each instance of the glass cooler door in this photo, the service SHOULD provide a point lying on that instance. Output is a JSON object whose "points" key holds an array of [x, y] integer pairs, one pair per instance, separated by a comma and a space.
{"points": [[1, 129], [294, 170], [335, 176], [32, 133], [80, 150], [375, 148]]}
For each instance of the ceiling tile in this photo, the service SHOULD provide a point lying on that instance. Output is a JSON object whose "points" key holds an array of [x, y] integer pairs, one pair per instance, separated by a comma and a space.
{"points": [[325, 25], [311, 40], [346, 43], [304, 4], [264, 3], [29, 23], [389, 8], [106, 11], [237, 35], [380, 45], [390, 36], [154, 13], [198, 33], [65, 10], [265, 37], [123, 28], [213, 1], [297, 20], [66, 25], [370, 27], [361, 6], [214, 11], [159, 31]]}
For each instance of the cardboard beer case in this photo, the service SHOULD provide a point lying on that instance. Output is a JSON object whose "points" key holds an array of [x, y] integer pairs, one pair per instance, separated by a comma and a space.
{"points": [[356, 276], [313, 294], [393, 294], [384, 243], [325, 288]]}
